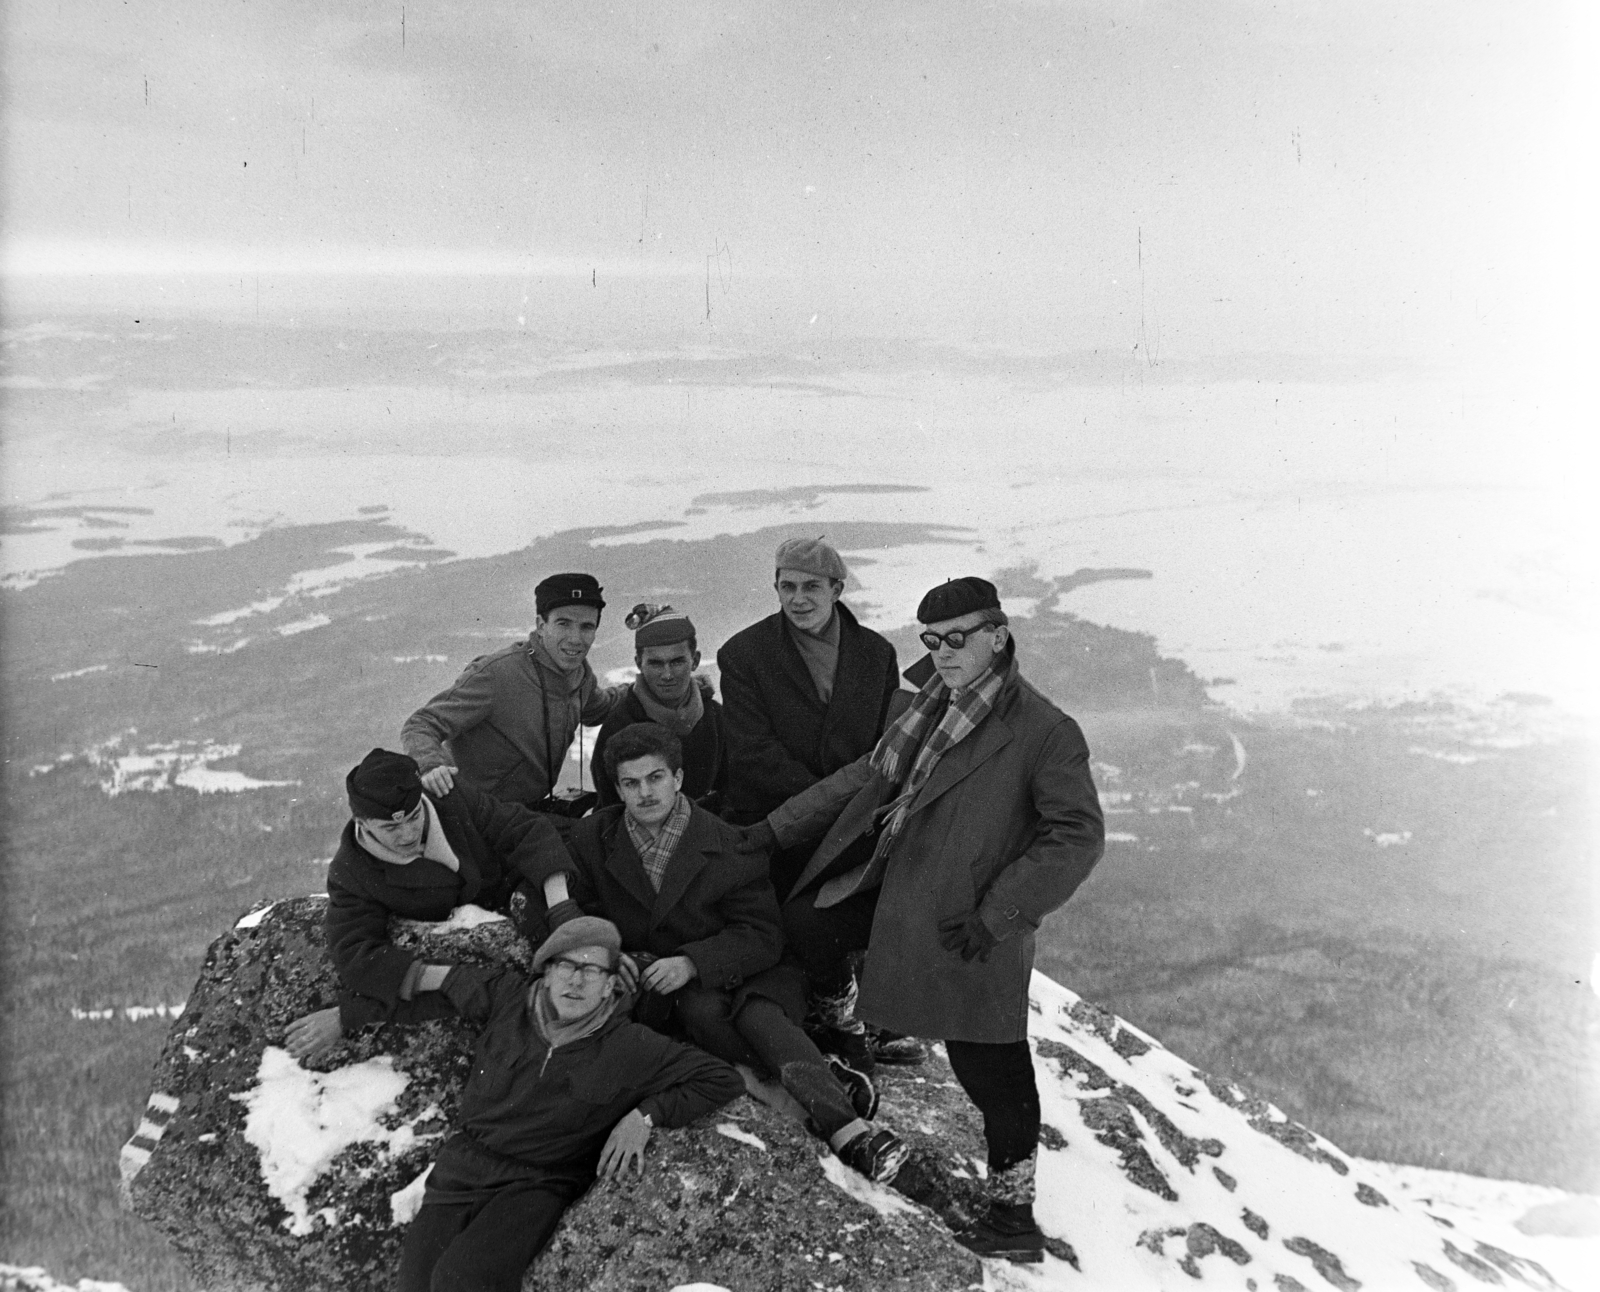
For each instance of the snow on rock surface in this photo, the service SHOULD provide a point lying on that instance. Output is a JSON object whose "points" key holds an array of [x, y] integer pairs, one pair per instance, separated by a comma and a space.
{"points": [[33, 1278], [1152, 1175]]}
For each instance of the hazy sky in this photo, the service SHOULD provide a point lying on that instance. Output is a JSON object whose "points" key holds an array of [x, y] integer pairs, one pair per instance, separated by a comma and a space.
{"points": [[1354, 177]]}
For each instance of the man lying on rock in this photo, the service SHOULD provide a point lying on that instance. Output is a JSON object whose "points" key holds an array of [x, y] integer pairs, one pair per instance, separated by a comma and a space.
{"points": [[980, 817], [564, 1087], [416, 855], [702, 919]]}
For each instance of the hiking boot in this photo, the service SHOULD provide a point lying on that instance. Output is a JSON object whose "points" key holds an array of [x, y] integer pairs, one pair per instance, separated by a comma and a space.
{"points": [[858, 1085], [892, 1048], [877, 1154], [982, 1238]]}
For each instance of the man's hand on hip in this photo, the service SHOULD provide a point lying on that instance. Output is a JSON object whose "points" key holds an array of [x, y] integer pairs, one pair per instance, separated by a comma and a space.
{"points": [[967, 936]]}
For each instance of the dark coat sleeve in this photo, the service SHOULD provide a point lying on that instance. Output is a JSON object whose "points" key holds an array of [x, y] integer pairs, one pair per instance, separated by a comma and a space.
{"points": [[622, 716], [1068, 840], [770, 769], [469, 991], [370, 967], [532, 849], [685, 1082]]}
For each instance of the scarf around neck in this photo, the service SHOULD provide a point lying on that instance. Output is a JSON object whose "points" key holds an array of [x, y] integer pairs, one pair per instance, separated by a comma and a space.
{"points": [[679, 721], [557, 1032], [435, 847], [914, 735]]}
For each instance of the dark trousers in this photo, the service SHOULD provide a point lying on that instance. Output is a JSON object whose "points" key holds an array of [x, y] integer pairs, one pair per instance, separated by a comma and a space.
{"points": [[823, 940], [481, 1246], [762, 1037], [999, 1080]]}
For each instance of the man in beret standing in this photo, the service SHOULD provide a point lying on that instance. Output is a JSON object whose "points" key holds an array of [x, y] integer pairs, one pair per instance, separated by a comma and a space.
{"points": [[418, 856], [506, 723], [980, 818], [667, 692]]}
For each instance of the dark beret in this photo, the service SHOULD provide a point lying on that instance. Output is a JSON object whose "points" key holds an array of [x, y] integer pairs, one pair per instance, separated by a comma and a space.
{"points": [[956, 597], [382, 784], [567, 590]]}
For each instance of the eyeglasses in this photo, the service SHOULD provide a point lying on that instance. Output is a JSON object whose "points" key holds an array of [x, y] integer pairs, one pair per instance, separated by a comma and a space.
{"points": [[563, 968], [956, 638]]}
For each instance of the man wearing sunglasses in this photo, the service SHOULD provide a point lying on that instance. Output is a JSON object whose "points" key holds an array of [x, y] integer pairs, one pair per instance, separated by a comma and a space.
{"points": [[418, 856], [564, 1089], [973, 818]]}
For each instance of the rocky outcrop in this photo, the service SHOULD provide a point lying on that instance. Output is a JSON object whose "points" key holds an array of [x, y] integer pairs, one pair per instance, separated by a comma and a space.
{"points": [[1151, 1175]]}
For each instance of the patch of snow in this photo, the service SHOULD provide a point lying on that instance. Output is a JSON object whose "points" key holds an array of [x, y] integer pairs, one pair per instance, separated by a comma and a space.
{"points": [[405, 1203], [1446, 755], [255, 917], [299, 1121], [736, 1132], [884, 1201], [465, 917], [1389, 838], [208, 648], [79, 672], [1120, 836], [419, 659], [133, 1013], [302, 625], [161, 766], [244, 612], [699, 1287], [33, 1278]]}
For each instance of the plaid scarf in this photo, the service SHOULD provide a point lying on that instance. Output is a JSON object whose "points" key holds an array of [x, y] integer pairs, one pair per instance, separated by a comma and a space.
{"points": [[656, 853], [893, 756]]}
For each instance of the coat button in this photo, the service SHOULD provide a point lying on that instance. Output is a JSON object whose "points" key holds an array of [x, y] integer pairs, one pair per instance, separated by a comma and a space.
{"points": [[1011, 914]]}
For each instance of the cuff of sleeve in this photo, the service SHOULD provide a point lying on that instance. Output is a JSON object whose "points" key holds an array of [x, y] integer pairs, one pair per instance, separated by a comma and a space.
{"points": [[408, 984], [1005, 920]]}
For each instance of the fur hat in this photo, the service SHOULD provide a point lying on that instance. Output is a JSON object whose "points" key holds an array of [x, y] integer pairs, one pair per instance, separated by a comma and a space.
{"points": [[382, 784]]}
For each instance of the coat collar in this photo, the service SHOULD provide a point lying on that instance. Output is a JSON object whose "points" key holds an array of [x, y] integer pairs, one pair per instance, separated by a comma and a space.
{"points": [[699, 842], [421, 873], [992, 735]]}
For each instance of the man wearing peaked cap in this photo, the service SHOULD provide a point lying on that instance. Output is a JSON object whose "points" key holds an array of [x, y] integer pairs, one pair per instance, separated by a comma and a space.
{"points": [[669, 692], [411, 853], [807, 691], [972, 819], [506, 723]]}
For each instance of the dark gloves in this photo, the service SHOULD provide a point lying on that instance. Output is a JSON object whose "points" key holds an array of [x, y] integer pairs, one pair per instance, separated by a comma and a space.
{"points": [[756, 838], [561, 912], [968, 935]]}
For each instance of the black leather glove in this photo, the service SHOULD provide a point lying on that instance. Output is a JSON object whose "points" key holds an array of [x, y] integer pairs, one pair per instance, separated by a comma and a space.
{"points": [[756, 838], [561, 912], [967, 935]]}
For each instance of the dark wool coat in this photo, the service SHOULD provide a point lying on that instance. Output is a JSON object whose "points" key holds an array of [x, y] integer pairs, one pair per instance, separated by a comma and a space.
{"points": [[705, 752], [1008, 825], [716, 906], [783, 738], [529, 1111], [508, 720], [499, 846]]}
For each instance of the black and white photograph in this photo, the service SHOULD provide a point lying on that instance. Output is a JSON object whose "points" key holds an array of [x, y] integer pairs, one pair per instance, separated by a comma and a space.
{"points": [[687, 647]]}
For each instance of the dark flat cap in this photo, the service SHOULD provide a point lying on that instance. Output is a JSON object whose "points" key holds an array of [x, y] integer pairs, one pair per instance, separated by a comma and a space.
{"points": [[382, 784], [567, 590], [956, 597]]}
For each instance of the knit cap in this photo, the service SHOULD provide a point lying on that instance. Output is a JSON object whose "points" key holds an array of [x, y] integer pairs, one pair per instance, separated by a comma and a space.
{"points": [[658, 626], [382, 784], [810, 556]]}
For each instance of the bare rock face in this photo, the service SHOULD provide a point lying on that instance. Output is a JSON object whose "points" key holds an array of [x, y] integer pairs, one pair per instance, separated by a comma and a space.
{"points": [[269, 1175]]}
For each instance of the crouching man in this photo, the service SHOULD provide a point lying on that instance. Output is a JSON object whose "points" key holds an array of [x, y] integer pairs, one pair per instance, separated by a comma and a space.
{"points": [[703, 920], [418, 856], [980, 818], [563, 1088]]}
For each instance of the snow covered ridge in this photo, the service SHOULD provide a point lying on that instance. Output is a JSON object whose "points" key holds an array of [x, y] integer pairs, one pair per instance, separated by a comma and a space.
{"points": [[176, 764], [133, 1013], [32, 1278], [1151, 1173]]}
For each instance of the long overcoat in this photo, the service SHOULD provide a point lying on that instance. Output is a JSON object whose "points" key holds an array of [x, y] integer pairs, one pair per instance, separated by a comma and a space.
{"points": [[1008, 824], [499, 846], [782, 737]]}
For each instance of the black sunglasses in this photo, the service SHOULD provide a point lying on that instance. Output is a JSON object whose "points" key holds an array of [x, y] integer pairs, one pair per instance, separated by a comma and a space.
{"points": [[956, 637]]}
